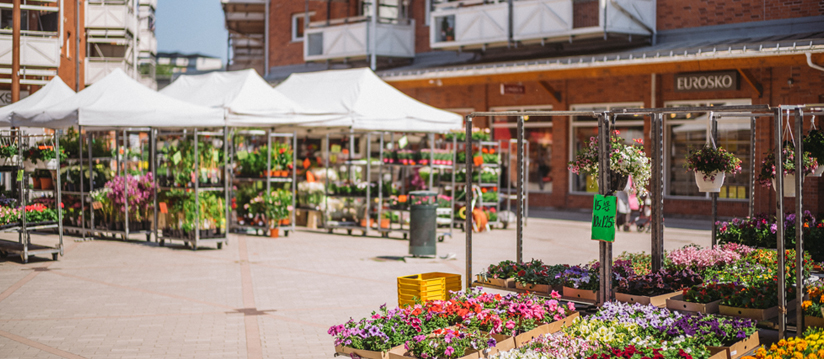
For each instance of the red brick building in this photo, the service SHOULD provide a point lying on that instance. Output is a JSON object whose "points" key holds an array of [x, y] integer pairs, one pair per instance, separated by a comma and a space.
{"points": [[566, 55]]}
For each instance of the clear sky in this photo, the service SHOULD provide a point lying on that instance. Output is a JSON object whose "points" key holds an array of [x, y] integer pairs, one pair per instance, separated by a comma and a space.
{"points": [[190, 26]]}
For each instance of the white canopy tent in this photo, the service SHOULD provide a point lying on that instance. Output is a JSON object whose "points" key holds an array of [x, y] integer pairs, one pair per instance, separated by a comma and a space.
{"points": [[248, 100], [360, 100], [54, 92], [119, 101]]}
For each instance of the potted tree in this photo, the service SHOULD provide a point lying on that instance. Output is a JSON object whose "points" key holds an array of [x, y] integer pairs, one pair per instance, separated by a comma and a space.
{"points": [[767, 174], [814, 144], [710, 165], [625, 160]]}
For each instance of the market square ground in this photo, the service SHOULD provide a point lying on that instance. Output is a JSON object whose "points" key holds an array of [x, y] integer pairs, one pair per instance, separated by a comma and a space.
{"points": [[257, 298]]}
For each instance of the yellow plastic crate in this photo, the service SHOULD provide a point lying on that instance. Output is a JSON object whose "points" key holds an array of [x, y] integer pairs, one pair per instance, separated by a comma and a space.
{"points": [[427, 286]]}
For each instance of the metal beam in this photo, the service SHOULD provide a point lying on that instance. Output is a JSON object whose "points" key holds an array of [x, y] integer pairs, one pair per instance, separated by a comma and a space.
{"points": [[779, 205], [468, 189], [15, 52], [657, 196], [799, 220], [552, 92], [750, 79]]}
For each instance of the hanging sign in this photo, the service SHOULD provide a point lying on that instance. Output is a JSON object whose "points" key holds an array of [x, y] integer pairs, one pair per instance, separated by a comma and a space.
{"points": [[163, 208], [19, 175], [97, 205], [603, 218], [335, 149], [512, 89], [706, 81]]}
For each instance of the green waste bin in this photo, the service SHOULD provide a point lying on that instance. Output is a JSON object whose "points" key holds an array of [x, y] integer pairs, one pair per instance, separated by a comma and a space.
{"points": [[422, 223]]}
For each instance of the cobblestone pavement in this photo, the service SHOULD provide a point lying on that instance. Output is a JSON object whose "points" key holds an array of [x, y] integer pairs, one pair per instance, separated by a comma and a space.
{"points": [[256, 298]]}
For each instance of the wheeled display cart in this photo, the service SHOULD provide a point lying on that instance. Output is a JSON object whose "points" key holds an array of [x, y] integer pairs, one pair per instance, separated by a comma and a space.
{"points": [[202, 181], [351, 196], [245, 141], [24, 246]]}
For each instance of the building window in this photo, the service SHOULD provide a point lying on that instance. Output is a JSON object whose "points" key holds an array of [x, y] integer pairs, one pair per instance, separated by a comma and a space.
{"points": [[584, 128], [298, 25], [685, 132], [538, 134]]}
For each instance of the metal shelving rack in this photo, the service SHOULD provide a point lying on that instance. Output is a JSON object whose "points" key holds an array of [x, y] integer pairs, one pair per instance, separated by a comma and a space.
{"points": [[497, 204], [350, 163], [268, 179], [512, 147], [403, 173], [195, 242], [24, 247], [122, 162]]}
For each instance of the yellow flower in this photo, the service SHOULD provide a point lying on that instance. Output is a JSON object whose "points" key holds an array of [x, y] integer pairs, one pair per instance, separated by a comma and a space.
{"points": [[806, 304]]}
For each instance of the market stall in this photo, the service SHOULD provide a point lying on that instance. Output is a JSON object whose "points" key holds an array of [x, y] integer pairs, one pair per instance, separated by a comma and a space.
{"points": [[260, 158], [123, 108]]}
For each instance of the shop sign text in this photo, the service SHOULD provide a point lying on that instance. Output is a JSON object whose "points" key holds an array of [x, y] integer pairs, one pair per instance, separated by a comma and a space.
{"points": [[706, 81]]}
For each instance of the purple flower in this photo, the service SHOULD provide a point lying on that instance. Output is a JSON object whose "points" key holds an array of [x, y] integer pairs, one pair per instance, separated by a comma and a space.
{"points": [[449, 350]]}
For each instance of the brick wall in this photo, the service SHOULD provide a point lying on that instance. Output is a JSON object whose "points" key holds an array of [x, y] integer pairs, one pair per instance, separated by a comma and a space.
{"points": [[282, 50], [807, 86], [66, 71], [584, 13], [676, 14]]}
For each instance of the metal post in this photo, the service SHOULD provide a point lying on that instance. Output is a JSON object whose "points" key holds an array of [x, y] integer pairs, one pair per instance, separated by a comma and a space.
{"points": [[125, 185], [77, 34], [431, 159], [82, 195], [368, 179], [752, 168], [58, 204], [269, 162], [520, 188], [266, 39], [468, 189], [226, 184], [714, 195], [380, 184], [779, 203], [657, 191], [799, 220], [197, 193], [294, 179], [23, 195], [15, 52], [604, 248], [153, 163], [90, 139], [325, 178]]}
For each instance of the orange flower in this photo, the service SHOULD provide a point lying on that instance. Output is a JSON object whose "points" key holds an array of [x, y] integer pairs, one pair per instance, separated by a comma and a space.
{"points": [[402, 198]]}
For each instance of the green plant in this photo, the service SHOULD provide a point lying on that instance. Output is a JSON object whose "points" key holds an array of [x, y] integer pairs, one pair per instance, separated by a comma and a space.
{"points": [[8, 151], [767, 172], [709, 161], [814, 144]]}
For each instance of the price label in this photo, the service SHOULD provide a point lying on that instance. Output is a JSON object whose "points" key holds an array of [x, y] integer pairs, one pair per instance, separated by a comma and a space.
{"points": [[335, 149], [214, 156], [241, 155], [97, 205], [176, 158], [603, 218], [403, 142], [163, 208], [19, 175]]}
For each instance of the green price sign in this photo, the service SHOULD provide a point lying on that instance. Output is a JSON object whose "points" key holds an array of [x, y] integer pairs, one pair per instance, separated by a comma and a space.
{"points": [[603, 218], [176, 158], [19, 175], [241, 155]]}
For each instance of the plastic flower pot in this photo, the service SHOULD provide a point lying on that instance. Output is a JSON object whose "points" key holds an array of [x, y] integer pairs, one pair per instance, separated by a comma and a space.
{"points": [[35, 183], [709, 182], [274, 232], [789, 185], [818, 171], [385, 222], [46, 183]]}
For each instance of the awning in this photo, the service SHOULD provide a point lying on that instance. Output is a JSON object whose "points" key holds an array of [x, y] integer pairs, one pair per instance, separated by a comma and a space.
{"points": [[360, 100], [248, 100], [119, 101], [54, 92]]}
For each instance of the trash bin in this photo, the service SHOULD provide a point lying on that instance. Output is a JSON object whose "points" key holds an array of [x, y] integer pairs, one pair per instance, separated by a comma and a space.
{"points": [[422, 223]]}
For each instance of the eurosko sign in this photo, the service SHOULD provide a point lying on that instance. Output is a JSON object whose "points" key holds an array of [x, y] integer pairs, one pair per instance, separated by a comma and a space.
{"points": [[706, 81]]}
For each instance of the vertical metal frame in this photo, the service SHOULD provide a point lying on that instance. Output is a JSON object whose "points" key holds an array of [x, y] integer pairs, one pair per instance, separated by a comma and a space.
{"points": [[604, 248], [197, 191], [82, 191], [799, 219], [714, 195], [519, 235], [58, 203], [751, 204], [657, 195], [468, 220], [779, 201]]}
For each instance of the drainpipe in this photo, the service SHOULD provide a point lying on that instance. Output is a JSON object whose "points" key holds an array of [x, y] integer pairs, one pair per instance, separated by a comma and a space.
{"points": [[810, 62], [77, 45], [374, 35], [266, 40]]}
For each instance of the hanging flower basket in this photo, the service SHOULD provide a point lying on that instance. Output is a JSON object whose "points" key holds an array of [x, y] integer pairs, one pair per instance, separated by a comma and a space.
{"points": [[624, 160], [789, 185], [767, 175], [814, 145], [711, 165]]}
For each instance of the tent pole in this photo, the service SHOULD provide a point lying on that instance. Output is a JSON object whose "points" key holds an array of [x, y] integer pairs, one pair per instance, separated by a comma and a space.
{"points": [[468, 199], [657, 191], [604, 248], [714, 195], [799, 220], [779, 233], [373, 35], [82, 183]]}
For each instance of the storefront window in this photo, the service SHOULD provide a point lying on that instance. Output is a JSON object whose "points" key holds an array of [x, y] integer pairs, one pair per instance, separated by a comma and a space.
{"points": [[686, 132], [586, 127], [538, 134]]}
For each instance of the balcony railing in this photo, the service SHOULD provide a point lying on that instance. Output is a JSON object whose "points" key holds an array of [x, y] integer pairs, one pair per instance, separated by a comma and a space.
{"points": [[479, 24], [36, 49], [98, 68], [351, 40], [110, 16], [148, 42]]}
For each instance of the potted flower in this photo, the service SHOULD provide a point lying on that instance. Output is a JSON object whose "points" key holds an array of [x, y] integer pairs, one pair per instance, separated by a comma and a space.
{"points": [[704, 298], [624, 161], [447, 343], [537, 277], [501, 275], [656, 287], [8, 154], [813, 306], [277, 206], [710, 165], [767, 174], [814, 144]]}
